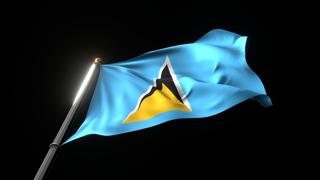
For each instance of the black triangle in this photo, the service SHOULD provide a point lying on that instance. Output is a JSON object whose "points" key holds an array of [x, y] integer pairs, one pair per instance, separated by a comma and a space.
{"points": [[165, 78]]}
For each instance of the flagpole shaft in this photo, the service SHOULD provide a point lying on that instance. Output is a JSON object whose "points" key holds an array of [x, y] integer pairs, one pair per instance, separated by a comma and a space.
{"points": [[56, 143], [53, 147], [45, 164]]}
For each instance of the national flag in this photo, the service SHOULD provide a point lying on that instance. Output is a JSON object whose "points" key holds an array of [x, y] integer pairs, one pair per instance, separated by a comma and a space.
{"points": [[193, 80]]}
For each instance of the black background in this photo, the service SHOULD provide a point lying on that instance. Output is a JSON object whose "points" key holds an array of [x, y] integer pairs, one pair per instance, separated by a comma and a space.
{"points": [[57, 43]]}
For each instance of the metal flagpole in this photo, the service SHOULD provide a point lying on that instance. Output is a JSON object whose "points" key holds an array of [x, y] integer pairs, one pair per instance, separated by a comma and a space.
{"points": [[58, 139]]}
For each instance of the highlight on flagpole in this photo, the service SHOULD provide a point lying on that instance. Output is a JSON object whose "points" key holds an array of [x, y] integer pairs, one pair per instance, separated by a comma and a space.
{"points": [[53, 147], [97, 61]]}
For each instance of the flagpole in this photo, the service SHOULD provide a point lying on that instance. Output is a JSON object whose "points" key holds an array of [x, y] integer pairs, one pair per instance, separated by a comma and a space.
{"points": [[53, 147]]}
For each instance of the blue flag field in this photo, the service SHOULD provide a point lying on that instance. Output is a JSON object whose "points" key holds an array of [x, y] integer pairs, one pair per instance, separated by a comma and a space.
{"points": [[193, 80]]}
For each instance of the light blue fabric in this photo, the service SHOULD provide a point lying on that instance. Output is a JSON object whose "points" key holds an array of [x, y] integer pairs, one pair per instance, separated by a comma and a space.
{"points": [[212, 72]]}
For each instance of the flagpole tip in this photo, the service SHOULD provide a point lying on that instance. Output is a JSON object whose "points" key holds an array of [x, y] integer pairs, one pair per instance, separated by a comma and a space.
{"points": [[97, 61]]}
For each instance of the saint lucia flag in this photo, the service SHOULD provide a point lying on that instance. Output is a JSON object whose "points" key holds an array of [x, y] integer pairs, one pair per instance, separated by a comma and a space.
{"points": [[186, 81]]}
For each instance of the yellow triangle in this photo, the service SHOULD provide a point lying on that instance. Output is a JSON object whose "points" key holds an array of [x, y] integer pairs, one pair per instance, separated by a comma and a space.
{"points": [[159, 101]]}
